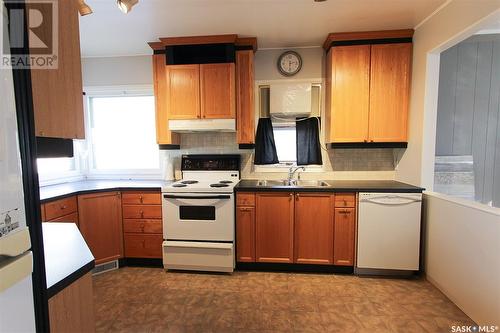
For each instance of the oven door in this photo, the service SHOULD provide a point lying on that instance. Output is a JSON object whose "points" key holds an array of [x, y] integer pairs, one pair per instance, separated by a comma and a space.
{"points": [[198, 216]]}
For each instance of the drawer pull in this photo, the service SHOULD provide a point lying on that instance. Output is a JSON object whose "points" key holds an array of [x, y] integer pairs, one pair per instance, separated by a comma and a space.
{"points": [[140, 198], [245, 209], [345, 212], [64, 207]]}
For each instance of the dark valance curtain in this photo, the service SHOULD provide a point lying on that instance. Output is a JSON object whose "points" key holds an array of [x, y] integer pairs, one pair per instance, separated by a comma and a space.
{"points": [[308, 145], [265, 148]]}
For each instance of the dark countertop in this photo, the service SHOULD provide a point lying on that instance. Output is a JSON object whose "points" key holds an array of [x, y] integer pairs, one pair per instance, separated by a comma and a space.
{"points": [[52, 192], [67, 256], [335, 186]]}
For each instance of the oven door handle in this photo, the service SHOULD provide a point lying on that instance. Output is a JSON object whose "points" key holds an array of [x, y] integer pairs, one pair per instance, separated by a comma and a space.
{"points": [[170, 196]]}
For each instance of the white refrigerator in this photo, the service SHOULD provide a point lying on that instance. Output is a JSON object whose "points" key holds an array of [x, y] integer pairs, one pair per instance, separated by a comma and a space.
{"points": [[16, 259]]}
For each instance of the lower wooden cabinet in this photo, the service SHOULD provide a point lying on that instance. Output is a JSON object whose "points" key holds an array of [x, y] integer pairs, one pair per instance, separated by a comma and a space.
{"points": [[245, 234], [313, 228], [143, 245], [303, 228], [274, 227], [100, 217], [142, 224], [344, 236], [72, 309]]}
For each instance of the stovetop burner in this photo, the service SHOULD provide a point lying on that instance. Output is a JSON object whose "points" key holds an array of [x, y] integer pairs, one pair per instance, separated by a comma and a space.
{"points": [[219, 185], [189, 182], [226, 182], [179, 185]]}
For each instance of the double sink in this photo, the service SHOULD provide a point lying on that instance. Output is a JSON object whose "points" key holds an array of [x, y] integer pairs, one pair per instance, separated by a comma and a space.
{"points": [[292, 183]]}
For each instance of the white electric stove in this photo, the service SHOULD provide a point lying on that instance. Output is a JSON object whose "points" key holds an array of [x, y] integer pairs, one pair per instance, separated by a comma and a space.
{"points": [[198, 214]]}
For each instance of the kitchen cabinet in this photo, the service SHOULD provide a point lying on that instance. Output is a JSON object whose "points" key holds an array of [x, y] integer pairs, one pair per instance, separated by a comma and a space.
{"points": [[142, 224], [389, 92], [72, 309], [217, 91], [201, 91], [58, 93], [274, 216], [100, 218], [345, 229], [302, 227], [62, 210], [313, 228], [349, 91], [245, 227], [183, 91], [245, 102], [368, 86], [163, 135]]}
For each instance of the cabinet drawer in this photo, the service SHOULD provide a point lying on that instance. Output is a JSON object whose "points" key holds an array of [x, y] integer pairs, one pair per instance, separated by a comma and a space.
{"points": [[143, 246], [70, 218], [142, 226], [141, 212], [141, 198], [60, 208], [245, 199], [345, 200]]}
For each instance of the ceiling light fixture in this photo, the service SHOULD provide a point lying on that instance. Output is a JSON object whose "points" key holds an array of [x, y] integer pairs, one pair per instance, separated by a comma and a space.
{"points": [[126, 5], [83, 8]]}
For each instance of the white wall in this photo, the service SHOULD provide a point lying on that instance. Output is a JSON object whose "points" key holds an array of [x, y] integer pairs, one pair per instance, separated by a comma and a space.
{"points": [[112, 71], [462, 254], [448, 26]]}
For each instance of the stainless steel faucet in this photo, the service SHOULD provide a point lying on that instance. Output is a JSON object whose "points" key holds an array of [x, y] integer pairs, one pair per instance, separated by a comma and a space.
{"points": [[292, 171]]}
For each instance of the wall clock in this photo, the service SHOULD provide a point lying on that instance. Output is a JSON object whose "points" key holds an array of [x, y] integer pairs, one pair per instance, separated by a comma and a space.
{"points": [[289, 63]]}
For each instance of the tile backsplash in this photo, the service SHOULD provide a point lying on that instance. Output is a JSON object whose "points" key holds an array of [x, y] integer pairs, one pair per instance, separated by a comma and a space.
{"points": [[337, 163]]}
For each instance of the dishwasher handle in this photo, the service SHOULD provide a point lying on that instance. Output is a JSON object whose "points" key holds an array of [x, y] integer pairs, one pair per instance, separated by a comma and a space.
{"points": [[390, 200]]}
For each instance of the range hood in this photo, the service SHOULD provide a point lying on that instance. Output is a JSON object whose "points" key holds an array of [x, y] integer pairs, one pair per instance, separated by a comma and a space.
{"points": [[202, 125]]}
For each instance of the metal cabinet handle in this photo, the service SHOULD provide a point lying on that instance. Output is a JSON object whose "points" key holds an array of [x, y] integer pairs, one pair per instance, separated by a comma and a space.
{"points": [[64, 207], [345, 212], [245, 209], [142, 213], [140, 198], [297, 197]]}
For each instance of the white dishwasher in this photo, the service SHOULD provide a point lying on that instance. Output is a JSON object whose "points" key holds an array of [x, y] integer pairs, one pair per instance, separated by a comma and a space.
{"points": [[388, 233]]}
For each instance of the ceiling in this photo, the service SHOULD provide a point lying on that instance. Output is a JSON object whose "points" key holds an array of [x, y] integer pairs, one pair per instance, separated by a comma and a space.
{"points": [[276, 23]]}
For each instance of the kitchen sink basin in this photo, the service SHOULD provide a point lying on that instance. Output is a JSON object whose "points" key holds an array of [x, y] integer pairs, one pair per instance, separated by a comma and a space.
{"points": [[310, 183], [292, 183]]}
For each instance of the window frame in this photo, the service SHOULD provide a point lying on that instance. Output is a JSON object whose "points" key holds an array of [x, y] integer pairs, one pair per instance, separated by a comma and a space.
{"points": [[284, 166], [115, 91]]}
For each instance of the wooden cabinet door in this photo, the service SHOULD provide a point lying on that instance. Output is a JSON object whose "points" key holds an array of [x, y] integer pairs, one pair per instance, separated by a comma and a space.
{"points": [[348, 92], [344, 233], [245, 234], [58, 93], [274, 227], [245, 102], [100, 218], [313, 228], [217, 91], [389, 92], [163, 134], [183, 91]]}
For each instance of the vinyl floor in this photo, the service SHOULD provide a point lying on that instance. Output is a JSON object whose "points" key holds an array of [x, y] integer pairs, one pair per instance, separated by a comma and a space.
{"points": [[152, 300]]}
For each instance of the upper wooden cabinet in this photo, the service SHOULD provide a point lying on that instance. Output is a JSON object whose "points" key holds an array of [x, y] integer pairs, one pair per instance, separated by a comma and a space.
{"points": [[183, 91], [245, 102], [368, 86], [348, 92], [217, 91], [200, 91], [163, 135], [58, 93], [218, 87], [389, 92]]}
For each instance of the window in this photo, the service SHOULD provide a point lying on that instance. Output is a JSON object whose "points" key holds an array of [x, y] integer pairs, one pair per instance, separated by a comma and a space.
{"points": [[122, 131], [284, 129], [468, 131], [285, 139]]}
